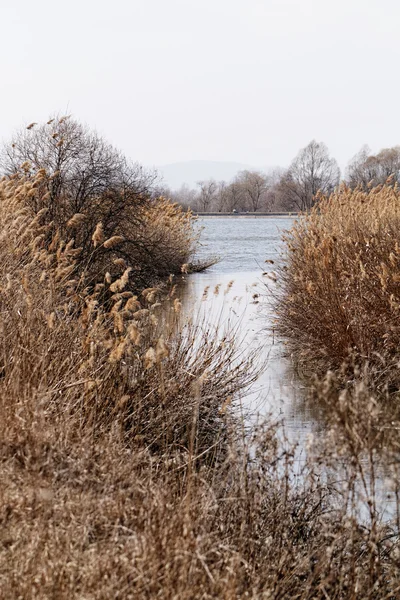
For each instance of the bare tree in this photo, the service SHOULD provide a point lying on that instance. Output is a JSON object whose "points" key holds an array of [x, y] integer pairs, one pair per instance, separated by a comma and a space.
{"points": [[207, 194], [276, 199], [366, 170], [78, 159], [82, 174], [184, 196], [234, 196], [254, 187], [80, 167], [311, 171], [221, 197], [358, 172]]}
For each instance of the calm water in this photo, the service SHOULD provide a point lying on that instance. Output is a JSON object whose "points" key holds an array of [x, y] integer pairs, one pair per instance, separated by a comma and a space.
{"points": [[238, 295], [243, 244]]}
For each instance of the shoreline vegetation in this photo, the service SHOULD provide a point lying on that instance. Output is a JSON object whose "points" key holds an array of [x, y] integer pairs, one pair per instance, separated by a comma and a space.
{"points": [[126, 471], [338, 303]]}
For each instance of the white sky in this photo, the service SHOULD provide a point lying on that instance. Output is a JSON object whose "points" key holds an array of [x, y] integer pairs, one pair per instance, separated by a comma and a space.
{"points": [[233, 80]]}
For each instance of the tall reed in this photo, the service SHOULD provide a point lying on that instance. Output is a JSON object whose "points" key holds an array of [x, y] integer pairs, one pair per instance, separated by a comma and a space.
{"points": [[339, 288]]}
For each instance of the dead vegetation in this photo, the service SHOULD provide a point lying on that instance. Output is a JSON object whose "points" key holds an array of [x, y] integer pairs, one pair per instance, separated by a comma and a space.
{"points": [[339, 298], [122, 474], [86, 190]]}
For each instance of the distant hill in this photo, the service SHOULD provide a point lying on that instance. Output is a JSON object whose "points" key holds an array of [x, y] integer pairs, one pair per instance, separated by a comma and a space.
{"points": [[177, 174]]}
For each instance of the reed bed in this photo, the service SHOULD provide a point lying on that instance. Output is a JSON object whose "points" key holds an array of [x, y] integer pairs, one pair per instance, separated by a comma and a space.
{"points": [[87, 190], [124, 472], [339, 289]]}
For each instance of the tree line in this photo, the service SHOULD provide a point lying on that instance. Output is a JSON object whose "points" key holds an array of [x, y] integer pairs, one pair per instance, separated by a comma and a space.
{"points": [[296, 188], [87, 174]]}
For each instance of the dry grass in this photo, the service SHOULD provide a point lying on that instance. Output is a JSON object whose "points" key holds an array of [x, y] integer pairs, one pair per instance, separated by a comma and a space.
{"points": [[86, 190], [339, 295], [122, 474]]}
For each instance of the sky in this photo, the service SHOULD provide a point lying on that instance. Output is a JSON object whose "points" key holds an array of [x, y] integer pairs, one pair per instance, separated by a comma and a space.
{"points": [[251, 81]]}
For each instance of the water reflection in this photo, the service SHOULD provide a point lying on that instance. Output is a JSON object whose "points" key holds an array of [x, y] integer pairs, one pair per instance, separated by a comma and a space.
{"points": [[242, 244], [238, 297], [240, 301]]}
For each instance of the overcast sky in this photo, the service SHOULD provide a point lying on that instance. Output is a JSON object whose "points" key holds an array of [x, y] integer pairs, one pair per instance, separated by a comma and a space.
{"points": [[251, 81]]}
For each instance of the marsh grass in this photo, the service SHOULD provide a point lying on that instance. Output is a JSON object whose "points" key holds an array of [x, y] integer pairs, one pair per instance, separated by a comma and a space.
{"points": [[124, 472], [339, 289]]}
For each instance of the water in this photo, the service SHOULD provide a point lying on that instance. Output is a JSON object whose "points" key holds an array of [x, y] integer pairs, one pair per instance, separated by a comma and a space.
{"points": [[243, 244], [239, 295]]}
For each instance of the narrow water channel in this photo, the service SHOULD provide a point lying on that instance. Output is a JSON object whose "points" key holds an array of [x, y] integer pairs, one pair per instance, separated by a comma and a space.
{"points": [[234, 293]]}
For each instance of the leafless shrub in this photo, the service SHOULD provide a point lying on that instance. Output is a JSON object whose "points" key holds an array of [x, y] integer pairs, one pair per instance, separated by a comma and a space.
{"points": [[82, 182]]}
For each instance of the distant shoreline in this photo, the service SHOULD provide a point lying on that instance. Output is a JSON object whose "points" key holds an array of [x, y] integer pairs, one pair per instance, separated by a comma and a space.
{"points": [[250, 215]]}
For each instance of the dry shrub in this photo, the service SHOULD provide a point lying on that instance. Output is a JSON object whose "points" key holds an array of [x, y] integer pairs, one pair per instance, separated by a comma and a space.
{"points": [[89, 516], [164, 240], [358, 454], [86, 186], [339, 294]]}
